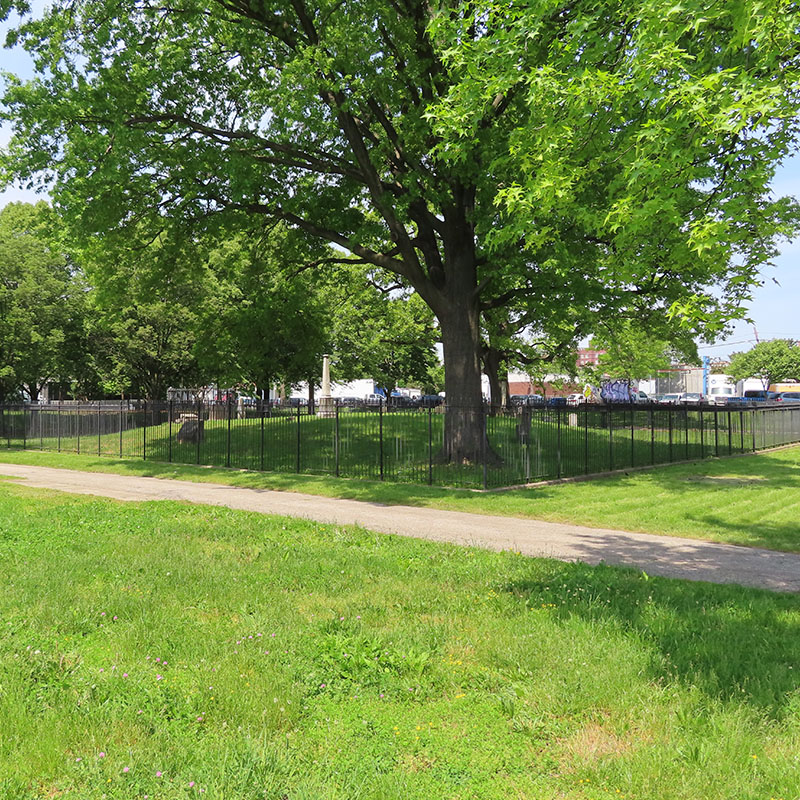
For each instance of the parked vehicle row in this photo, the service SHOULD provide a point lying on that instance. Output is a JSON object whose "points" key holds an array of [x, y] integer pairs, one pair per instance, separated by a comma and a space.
{"points": [[751, 398]]}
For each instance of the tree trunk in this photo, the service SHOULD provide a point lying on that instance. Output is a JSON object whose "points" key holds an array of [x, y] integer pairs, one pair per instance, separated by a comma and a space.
{"points": [[464, 438], [455, 302]]}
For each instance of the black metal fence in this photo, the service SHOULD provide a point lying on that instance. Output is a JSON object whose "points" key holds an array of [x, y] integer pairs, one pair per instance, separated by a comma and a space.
{"points": [[377, 441]]}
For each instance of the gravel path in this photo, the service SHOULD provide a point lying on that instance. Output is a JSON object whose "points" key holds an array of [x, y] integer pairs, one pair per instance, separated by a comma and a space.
{"points": [[657, 555]]}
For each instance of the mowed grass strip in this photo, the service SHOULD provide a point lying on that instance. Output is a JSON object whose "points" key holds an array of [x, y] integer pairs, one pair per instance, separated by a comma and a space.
{"points": [[748, 500], [176, 651]]}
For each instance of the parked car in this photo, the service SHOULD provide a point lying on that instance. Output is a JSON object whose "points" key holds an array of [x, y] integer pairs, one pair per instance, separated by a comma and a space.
{"points": [[575, 399], [691, 398], [555, 402], [788, 397], [671, 399], [430, 401], [402, 401], [730, 400], [760, 395], [641, 397]]}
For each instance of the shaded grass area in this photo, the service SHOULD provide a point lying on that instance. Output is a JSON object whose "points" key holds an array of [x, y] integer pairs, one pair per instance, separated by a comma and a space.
{"points": [[749, 500], [379, 667]]}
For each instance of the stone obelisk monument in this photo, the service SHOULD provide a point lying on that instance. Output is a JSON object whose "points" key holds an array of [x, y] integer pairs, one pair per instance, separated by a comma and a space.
{"points": [[326, 406]]}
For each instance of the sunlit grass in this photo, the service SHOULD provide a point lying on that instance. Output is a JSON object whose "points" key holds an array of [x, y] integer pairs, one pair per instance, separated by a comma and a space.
{"points": [[379, 667]]}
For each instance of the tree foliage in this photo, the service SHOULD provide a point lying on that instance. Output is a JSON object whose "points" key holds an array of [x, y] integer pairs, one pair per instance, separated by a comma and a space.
{"points": [[267, 321], [772, 362], [609, 155], [381, 332], [635, 350], [42, 301]]}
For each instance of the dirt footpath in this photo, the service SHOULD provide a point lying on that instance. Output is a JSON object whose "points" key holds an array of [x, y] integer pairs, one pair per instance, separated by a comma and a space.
{"points": [[656, 555]]}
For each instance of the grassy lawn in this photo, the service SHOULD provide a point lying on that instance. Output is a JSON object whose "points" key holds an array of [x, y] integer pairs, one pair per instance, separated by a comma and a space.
{"points": [[176, 651], [749, 500]]}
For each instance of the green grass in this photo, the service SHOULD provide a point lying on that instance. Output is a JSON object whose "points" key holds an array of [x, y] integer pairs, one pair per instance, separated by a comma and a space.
{"points": [[379, 668], [749, 500], [404, 447]]}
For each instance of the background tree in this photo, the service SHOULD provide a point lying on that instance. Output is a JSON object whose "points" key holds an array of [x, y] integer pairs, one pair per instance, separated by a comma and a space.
{"points": [[146, 299], [773, 361], [540, 339], [637, 349], [267, 322], [42, 301], [626, 148], [381, 332]]}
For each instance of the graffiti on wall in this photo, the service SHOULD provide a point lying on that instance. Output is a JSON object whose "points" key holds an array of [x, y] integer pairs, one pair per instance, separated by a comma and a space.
{"points": [[617, 392]]}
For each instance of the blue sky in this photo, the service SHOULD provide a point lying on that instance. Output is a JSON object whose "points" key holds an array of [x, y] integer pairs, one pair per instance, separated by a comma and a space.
{"points": [[774, 309]]}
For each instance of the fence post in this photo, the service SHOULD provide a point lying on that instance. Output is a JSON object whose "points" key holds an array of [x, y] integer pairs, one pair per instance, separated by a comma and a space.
{"points": [[144, 432], [716, 433], [652, 436], [610, 441], [686, 425], [78, 425], [58, 425], [484, 444], [753, 427], [200, 421], [380, 435], [169, 457], [585, 438], [558, 441], [261, 458], [98, 427], [336, 434], [504, 411], [730, 441], [228, 440], [741, 430], [430, 445], [669, 428], [702, 437], [633, 456], [24, 428], [298, 438]]}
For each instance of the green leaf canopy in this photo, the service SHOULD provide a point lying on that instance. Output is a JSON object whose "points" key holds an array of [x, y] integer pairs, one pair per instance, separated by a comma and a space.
{"points": [[543, 154]]}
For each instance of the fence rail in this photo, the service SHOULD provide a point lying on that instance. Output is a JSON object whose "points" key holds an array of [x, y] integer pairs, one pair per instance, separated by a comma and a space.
{"points": [[382, 442]]}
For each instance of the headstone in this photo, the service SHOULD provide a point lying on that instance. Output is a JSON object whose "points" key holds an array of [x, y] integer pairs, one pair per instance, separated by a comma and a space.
{"points": [[327, 406], [191, 432]]}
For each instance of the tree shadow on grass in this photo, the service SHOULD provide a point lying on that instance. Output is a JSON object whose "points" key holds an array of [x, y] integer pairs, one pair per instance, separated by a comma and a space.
{"points": [[732, 644]]}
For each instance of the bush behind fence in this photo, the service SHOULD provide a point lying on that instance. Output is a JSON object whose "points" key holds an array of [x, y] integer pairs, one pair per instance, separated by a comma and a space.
{"points": [[521, 445]]}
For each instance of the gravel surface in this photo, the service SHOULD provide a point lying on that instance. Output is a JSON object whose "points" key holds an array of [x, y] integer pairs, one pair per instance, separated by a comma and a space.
{"points": [[657, 555]]}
